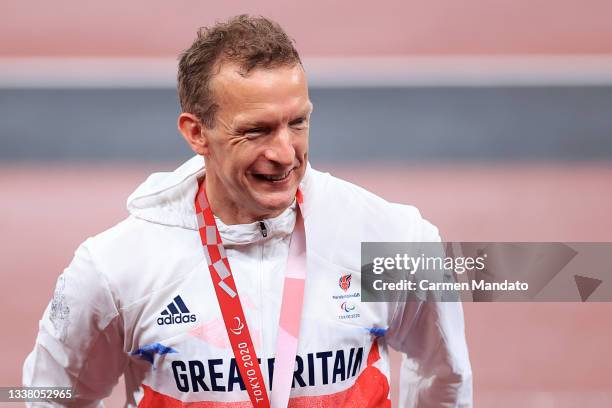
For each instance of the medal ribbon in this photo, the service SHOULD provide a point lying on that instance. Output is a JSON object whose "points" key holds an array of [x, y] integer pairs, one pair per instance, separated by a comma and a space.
{"points": [[233, 314]]}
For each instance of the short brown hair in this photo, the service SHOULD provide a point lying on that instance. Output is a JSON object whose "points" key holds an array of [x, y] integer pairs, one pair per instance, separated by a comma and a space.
{"points": [[248, 41]]}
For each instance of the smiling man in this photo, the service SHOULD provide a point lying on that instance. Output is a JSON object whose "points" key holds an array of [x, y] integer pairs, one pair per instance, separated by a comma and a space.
{"points": [[256, 144], [235, 281]]}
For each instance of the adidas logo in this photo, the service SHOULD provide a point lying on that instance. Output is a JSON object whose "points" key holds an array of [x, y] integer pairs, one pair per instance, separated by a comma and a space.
{"points": [[175, 313]]}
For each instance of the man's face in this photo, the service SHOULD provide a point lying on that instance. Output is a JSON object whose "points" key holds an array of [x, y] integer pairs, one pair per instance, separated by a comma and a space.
{"points": [[257, 151]]}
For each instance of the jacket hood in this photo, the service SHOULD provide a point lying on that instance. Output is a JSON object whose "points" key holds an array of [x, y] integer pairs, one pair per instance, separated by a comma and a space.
{"points": [[167, 198]]}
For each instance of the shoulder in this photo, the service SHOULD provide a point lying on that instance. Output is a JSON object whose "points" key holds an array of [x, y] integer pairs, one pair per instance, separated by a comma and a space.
{"points": [[137, 257], [347, 214]]}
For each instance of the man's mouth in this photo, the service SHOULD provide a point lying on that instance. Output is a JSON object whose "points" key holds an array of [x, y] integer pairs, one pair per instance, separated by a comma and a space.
{"points": [[273, 177]]}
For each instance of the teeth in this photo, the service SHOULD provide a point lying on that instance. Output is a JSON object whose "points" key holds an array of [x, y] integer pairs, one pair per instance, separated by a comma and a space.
{"points": [[275, 178]]}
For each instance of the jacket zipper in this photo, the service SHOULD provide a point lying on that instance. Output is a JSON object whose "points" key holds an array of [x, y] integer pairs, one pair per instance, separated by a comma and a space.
{"points": [[264, 230], [262, 332]]}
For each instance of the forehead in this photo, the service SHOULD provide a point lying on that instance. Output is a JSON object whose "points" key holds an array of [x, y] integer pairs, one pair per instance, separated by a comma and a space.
{"points": [[280, 91]]}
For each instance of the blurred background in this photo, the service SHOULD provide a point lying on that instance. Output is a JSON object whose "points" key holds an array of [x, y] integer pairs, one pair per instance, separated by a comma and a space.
{"points": [[494, 117]]}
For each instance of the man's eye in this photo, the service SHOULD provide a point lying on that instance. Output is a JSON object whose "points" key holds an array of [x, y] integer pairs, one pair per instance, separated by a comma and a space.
{"points": [[254, 132], [298, 123]]}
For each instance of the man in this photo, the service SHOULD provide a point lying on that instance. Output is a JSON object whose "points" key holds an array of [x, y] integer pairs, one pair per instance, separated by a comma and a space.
{"points": [[208, 271]]}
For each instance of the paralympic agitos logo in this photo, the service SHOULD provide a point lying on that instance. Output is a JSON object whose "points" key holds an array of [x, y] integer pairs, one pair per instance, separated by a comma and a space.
{"points": [[347, 307]]}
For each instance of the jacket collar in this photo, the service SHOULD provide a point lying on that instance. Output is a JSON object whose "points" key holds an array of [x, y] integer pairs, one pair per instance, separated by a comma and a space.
{"points": [[167, 198], [279, 226]]}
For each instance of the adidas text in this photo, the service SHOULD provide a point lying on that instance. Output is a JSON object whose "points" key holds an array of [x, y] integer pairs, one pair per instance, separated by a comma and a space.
{"points": [[176, 319]]}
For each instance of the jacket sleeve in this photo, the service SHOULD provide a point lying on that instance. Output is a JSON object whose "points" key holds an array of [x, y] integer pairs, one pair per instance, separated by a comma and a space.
{"points": [[80, 341], [435, 370]]}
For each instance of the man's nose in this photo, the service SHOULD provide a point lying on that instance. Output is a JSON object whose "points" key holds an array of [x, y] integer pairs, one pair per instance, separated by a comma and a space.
{"points": [[281, 148]]}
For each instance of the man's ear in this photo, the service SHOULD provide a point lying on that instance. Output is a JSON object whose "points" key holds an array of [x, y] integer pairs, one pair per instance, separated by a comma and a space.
{"points": [[194, 133]]}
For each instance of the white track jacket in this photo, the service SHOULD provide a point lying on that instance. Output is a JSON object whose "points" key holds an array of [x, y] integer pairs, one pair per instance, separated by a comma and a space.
{"points": [[138, 300]]}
